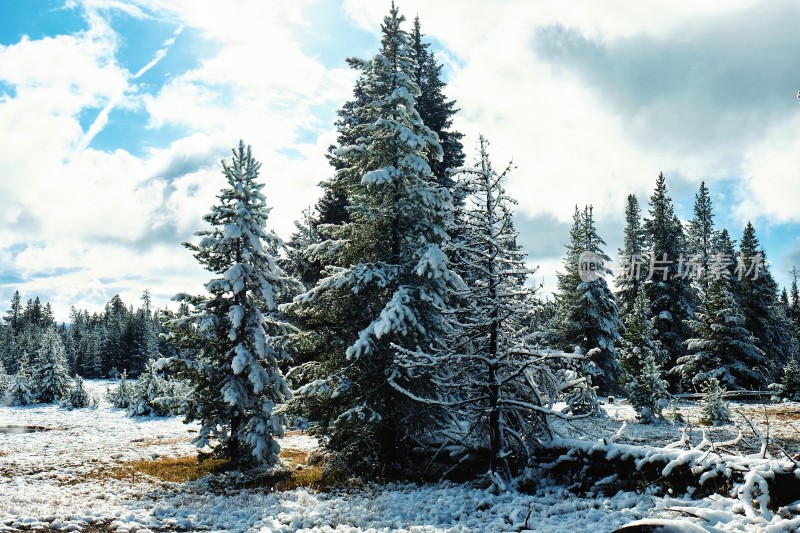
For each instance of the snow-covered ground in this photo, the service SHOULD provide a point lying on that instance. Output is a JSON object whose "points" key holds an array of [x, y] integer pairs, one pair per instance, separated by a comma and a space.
{"points": [[46, 481]]}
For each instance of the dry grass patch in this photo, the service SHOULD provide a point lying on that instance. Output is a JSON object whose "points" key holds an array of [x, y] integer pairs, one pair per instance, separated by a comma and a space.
{"points": [[294, 457], [170, 469]]}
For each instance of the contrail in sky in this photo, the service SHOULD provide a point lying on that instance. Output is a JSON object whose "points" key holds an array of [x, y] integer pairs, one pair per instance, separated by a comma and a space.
{"points": [[102, 117]]}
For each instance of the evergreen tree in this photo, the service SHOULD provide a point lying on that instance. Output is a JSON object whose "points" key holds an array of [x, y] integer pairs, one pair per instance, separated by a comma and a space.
{"points": [[758, 294], [299, 262], [50, 377], [237, 384], [435, 109], [78, 397], [20, 391], [148, 395], [123, 395], [388, 278], [14, 315], [640, 356], [667, 289], [723, 258], [790, 384], [5, 380], [588, 317], [701, 235], [632, 257], [713, 407], [722, 348]]}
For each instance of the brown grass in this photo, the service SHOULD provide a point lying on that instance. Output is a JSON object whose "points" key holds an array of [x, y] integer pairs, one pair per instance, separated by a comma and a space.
{"points": [[185, 469], [170, 469]]}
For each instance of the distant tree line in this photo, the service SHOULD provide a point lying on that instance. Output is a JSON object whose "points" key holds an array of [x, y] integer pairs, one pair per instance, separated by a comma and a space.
{"points": [[120, 338]]}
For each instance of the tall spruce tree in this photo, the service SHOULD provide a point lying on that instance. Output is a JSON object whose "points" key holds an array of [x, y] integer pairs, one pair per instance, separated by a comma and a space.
{"points": [[588, 317], [667, 289], [721, 347], [700, 236], [389, 279], [14, 314], [235, 335], [435, 109], [50, 380], [758, 295], [632, 258]]}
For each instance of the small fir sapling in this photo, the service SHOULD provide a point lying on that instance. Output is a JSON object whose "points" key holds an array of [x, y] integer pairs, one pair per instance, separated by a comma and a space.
{"points": [[123, 394], [78, 397], [713, 407], [20, 391]]}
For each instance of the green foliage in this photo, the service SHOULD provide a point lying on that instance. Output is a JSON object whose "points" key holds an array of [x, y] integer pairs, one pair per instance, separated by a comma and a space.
{"points": [[790, 384], [20, 391], [387, 278], [713, 407], [233, 339], [722, 348], [667, 289], [123, 394], [632, 256], [587, 313], [79, 397], [640, 354], [50, 380], [153, 395]]}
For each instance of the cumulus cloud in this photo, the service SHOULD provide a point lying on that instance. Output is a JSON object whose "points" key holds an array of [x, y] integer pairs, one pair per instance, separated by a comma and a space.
{"points": [[82, 215]]}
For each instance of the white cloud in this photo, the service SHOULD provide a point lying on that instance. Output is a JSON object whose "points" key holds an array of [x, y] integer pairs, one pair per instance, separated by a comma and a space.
{"points": [[772, 176], [81, 215]]}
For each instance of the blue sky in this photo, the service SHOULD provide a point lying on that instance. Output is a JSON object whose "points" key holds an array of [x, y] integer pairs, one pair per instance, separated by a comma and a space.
{"points": [[116, 114]]}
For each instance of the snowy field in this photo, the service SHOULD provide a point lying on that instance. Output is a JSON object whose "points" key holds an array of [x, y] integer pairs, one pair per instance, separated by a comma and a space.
{"points": [[48, 479]]}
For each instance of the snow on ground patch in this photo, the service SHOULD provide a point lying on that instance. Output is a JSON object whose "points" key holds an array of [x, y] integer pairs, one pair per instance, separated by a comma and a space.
{"points": [[47, 481]]}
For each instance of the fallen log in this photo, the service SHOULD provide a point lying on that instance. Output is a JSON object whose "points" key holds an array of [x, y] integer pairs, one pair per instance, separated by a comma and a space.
{"points": [[762, 484]]}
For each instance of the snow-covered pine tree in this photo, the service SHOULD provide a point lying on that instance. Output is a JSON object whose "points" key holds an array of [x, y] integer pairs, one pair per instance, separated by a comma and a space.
{"points": [[5, 380], [435, 110], [667, 289], [640, 356], [122, 395], [297, 261], [758, 296], [790, 383], [388, 279], [148, 395], [14, 315], [725, 247], [632, 258], [50, 380], [20, 391], [78, 397], [587, 316], [713, 407], [721, 347], [235, 335], [700, 236]]}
